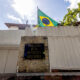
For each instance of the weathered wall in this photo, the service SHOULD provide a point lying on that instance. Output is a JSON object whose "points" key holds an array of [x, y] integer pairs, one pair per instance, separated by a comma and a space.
{"points": [[33, 65], [64, 47]]}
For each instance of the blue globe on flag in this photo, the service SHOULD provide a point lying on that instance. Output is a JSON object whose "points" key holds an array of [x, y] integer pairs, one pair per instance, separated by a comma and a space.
{"points": [[45, 21]]}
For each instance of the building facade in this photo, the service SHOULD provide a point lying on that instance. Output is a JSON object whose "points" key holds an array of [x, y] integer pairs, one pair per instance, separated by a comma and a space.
{"points": [[63, 45]]}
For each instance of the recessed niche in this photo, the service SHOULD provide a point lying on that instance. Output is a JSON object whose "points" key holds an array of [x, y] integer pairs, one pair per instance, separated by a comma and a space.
{"points": [[33, 54]]}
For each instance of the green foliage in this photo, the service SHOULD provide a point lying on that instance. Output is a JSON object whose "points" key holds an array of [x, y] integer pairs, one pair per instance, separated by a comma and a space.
{"points": [[71, 17]]}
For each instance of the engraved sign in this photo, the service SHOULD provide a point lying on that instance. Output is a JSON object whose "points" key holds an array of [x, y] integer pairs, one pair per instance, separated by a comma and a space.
{"points": [[34, 51]]}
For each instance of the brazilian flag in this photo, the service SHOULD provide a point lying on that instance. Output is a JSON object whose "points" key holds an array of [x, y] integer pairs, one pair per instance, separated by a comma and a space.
{"points": [[44, 20]]}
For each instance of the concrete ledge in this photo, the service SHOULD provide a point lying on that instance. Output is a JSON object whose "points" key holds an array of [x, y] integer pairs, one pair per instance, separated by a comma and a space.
{"points": [[9, 47], [50, 74]]}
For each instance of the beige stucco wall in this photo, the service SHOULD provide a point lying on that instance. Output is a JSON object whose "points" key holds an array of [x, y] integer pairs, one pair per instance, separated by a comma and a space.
{"points": [[13, 28], [14, 36], [63, 43], [8, 59], [64, 53]]}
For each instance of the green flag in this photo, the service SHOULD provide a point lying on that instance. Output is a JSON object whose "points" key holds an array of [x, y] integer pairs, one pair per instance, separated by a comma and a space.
{"points": [[44, 20]]}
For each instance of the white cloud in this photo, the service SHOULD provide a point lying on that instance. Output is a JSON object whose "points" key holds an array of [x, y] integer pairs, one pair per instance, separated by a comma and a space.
{"points": [[73, 3], [14, 18], [25, 8]]}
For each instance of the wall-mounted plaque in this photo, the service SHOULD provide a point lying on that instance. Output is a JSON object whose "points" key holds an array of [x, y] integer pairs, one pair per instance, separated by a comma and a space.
{"points": [[34, 51]]}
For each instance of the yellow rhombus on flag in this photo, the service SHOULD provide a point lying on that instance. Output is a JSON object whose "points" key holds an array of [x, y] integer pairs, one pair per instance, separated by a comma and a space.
{"points": [[44, 20]]}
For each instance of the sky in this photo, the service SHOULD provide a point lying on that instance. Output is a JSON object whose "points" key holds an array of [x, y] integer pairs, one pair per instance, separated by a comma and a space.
{"points": [[19, 11]]}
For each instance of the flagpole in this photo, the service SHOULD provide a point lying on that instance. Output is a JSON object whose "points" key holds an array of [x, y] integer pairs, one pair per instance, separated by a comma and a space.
{"points": [[37, 14]]}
